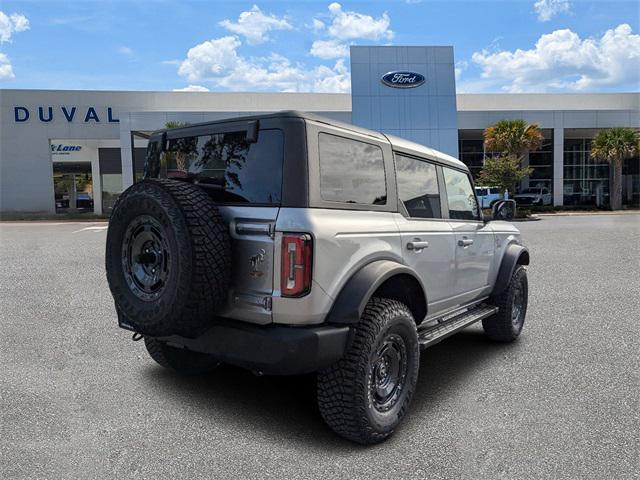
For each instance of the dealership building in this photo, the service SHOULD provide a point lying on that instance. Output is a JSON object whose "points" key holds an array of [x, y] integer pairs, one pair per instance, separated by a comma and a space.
{"points": [[66, 151]]}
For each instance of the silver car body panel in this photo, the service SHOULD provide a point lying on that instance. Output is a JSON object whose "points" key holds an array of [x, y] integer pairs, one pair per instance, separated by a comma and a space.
{"points": [[454, 271]]}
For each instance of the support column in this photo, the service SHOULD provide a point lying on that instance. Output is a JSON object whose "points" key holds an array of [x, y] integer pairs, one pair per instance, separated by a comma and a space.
{"points": [[558, 166], [96, 181], [126, 151], [525, 181]]}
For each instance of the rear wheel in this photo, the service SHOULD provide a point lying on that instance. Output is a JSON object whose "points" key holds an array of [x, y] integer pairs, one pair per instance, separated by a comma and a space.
{"points": [[365, 395], [506, 325], [179, 359]]}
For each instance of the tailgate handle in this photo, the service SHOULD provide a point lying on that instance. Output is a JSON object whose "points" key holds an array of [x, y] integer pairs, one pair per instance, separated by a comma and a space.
{"points": [[253, 228]]}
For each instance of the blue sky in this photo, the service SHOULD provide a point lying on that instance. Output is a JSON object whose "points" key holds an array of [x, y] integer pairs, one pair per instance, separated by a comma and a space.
{"points": [[504, 46]]}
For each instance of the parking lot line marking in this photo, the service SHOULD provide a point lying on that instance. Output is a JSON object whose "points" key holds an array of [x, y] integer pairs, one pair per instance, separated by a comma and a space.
{"points": [[95, 229]]}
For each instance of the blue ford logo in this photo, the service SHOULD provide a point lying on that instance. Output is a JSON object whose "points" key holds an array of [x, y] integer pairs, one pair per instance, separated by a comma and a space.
{"points": [[403, 79]]}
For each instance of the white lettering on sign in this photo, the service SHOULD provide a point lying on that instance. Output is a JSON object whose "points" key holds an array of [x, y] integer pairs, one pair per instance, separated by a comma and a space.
{"points": [[403, 78]]}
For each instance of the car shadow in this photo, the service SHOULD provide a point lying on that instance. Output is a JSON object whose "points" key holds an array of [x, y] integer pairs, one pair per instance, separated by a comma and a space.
{"points": [[285, 406]]}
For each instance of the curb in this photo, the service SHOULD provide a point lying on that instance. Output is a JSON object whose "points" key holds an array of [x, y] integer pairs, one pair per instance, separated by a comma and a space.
{"points": [[576, 214]]}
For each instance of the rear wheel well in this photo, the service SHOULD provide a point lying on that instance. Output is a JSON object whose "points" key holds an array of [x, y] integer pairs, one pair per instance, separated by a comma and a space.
{"points": [[523, 259], [406, 289]]}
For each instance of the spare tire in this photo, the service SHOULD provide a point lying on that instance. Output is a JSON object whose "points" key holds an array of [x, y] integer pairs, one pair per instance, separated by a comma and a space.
{"points": [[168, 258]]}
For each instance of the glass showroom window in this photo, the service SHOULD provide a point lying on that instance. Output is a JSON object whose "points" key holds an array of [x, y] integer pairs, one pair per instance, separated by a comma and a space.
{"points": [[542, 163], [472, 154], [586, 181], [111, 189]]}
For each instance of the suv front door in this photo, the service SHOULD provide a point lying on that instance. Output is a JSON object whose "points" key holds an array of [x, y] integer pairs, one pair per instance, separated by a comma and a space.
{"points": [[427, 238], [474, 240]]}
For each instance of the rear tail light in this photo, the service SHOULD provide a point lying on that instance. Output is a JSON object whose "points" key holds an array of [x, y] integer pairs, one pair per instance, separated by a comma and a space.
{"points": [[297, 258]]}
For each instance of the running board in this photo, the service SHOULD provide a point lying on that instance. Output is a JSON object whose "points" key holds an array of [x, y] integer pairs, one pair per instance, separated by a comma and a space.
{"points": [[453, 323]]}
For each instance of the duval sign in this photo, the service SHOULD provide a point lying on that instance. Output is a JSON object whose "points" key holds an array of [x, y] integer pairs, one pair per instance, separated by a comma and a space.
{"points": [[402, 79], [47, 114]]}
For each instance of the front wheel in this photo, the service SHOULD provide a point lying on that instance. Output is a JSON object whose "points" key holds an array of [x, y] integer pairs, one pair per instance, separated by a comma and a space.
{"points": [[506, 325], [365, 395]]}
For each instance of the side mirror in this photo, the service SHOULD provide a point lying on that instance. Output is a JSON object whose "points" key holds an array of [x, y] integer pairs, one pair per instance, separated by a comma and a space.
{"points": [[503, 210]]}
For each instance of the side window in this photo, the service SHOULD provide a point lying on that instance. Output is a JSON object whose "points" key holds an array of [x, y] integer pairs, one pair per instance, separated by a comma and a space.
{"points": [[418, 187], [351, 171], [462, 201], [495, 191]]}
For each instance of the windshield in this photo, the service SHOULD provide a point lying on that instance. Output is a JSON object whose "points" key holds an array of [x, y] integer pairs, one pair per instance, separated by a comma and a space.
{"points": [[534, 191], [231, 168]]}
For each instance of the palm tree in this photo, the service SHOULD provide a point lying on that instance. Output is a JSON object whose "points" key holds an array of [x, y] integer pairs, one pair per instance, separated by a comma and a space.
{"points": [[514, 138], [178, 156], [614, 146]]}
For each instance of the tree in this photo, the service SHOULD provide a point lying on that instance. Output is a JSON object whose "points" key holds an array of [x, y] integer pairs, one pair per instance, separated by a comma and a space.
{"points": [[614, 146], [179, 157], [504, 172], [513, 138]]}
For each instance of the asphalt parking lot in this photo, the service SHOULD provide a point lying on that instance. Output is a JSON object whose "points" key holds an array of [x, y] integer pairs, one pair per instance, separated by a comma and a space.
{"points": [[80, 400]]}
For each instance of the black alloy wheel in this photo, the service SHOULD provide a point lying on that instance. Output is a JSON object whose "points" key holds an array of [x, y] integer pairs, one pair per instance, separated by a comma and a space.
{"points": [[388, 373], [145, 258]]}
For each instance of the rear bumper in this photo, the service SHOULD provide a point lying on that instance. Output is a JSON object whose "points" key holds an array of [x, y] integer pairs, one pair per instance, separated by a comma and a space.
{"points": [[270, 349]]}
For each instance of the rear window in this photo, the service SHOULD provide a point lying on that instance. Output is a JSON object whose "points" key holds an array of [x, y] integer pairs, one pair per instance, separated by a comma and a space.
{"points": [[230, 168], [351, 171]]}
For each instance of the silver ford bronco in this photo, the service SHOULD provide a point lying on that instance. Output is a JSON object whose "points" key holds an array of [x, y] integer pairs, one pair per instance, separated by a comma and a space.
{"points": [[291, 243]]}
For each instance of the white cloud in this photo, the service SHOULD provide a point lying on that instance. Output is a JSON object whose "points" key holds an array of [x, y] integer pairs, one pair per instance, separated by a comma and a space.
{"points": [[562, 60], [254, 25], [125, 51], [317, 25], [328, 49], [331, 80], [10, 24], [547, 9], [210, 59], [347, 25], [6, 70], [192, 88], [217, 61]]}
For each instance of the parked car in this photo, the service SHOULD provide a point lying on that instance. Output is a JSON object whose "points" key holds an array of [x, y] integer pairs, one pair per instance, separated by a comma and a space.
{"points": [[84, 200], [534, 196], [294, 244], [487, 196]]}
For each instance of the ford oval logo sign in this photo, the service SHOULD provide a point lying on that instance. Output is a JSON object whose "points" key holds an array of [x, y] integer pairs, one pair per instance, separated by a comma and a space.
{"points": [[403, 79]]}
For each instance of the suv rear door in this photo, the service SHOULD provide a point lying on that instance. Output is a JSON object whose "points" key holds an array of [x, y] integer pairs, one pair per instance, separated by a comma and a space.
{"points": [[242, 173], [474, 239], [427, 239]]}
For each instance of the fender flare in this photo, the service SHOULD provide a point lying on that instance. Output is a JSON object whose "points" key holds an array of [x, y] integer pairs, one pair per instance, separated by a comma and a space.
{"points": [[514, 255], [355, 294]]}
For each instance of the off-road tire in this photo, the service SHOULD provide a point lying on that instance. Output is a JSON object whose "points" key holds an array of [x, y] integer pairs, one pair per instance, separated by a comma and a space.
{"points": [[198, 253], [178, 359], [344, 389], [502, 327]]}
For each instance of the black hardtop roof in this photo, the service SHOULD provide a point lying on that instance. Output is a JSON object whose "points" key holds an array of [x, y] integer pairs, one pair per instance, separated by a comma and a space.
{"points": [[282, 114], [398, 144]]}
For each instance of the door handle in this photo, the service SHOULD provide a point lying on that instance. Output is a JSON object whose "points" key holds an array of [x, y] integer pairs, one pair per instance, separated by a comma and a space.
{"points": [[465, 242], [417, 245]]}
